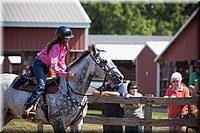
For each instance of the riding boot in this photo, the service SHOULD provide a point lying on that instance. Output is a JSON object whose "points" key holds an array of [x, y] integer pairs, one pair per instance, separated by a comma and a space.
{"points": [[28, 112]]}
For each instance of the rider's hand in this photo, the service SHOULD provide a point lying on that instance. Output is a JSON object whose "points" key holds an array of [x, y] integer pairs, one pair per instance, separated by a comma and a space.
{"points": [[72, 77]]}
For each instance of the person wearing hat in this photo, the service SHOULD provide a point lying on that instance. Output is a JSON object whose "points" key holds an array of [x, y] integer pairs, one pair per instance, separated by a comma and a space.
{"points": [[195, 75], [134, 110], [177, 89], [51, 56]]}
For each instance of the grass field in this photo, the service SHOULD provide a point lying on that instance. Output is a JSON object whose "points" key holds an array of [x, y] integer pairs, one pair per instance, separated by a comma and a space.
{"points": [[19, 125]]}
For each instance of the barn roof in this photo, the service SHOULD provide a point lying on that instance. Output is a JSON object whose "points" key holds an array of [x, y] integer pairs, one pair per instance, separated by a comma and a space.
{"points": [[44, 13], [157, 46], [125, 39], [122, 52], [124, 47]]}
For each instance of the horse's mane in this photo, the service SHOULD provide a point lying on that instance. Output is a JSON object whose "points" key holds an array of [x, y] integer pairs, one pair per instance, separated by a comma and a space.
{"points": [[83, 55]]}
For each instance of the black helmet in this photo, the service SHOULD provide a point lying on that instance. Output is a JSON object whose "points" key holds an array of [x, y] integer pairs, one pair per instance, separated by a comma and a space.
{"points": [[64, 32], [197, 63]]}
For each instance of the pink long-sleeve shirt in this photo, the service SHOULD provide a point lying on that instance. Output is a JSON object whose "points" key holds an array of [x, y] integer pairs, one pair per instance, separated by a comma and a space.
{"points": [[55, 59]]}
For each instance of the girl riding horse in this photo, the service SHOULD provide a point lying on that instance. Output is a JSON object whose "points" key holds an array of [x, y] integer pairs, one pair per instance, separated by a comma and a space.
{"points": [[52, 56]]}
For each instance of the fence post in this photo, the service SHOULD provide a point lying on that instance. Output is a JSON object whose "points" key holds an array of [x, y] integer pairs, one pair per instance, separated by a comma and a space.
{"points": [[40, 128], [148, 115]]}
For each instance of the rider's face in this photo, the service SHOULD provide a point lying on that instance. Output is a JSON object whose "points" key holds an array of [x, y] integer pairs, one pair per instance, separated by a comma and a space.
{"points": [[65, 41]]}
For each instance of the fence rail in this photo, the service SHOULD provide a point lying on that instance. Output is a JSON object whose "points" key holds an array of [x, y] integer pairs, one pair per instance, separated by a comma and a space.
{"points": [[146, 100], [147, 121]]}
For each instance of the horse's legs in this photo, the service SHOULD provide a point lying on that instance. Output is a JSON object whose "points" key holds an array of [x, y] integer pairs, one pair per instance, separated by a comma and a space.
{"points": [[3, 118], [5, 110], [76, 127], [58, 125], [8, 118]]}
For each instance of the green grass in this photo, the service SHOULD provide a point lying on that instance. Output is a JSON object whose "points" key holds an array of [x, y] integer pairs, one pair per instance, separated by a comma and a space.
{"points": [[94, 112], [158, 115], [21, 126]]}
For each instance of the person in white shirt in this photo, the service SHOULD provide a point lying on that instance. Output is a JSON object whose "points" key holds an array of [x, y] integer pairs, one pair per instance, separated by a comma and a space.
{"points": [[134, 110]]}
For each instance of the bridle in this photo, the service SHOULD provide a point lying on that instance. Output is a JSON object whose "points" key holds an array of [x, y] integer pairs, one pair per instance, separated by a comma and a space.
{"points": [[107, 72]]}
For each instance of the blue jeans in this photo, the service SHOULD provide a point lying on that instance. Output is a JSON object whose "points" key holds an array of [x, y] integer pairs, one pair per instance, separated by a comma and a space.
{"points": [[39, 69]]}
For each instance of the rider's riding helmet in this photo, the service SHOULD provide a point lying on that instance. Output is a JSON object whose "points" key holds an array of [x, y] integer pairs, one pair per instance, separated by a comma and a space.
{"points": [[197, 64], [64, 32]]}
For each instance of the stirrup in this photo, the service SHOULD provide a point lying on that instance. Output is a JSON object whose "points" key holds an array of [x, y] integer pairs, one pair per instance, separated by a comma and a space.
{"points": [[29, 112]]}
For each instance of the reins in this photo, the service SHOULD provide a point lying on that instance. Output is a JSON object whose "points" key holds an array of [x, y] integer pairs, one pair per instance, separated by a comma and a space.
{"points": [[82, 104], [99, 88], [103, 84]]}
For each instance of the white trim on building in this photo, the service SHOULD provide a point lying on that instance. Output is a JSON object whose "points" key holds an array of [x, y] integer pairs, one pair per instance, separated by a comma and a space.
{"points": [[15, 59]]}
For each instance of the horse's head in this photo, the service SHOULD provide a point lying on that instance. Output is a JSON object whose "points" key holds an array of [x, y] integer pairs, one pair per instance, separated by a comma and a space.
{"points": [[105, 64]]}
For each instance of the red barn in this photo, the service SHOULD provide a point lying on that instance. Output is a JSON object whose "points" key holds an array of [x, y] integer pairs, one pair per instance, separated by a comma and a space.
{"points": [[183, 50], [147, 68], [29, 25]]}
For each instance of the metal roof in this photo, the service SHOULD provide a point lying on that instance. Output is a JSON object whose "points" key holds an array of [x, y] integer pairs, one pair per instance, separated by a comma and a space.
{"points": [[124, 47], [44, 13], [157, 46], [125, 39], [122, 52]]}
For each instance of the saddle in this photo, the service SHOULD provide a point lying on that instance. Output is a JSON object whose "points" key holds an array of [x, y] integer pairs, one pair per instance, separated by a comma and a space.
{"points": [[26, 82]]}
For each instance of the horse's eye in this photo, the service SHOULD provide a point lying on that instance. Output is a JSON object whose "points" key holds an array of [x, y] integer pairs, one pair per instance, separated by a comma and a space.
{"points": [[98, 61]]}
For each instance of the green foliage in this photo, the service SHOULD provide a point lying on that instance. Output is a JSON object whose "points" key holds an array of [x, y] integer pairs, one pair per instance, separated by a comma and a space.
{"points": [[137, 18]]}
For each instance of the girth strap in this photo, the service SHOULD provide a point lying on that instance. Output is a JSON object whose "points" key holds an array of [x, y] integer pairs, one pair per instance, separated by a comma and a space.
{"points": [[45, 107]]}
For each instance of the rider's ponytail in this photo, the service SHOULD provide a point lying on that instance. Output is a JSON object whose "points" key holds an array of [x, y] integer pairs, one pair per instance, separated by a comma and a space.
{"points": [[53, 42]]}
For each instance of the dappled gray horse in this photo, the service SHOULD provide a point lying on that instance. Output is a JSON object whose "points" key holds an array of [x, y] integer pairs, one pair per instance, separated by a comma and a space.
{"points": [[68, 106]]}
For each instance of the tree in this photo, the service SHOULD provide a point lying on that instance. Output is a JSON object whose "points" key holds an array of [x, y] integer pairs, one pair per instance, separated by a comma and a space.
{"points": [[137, 18]]}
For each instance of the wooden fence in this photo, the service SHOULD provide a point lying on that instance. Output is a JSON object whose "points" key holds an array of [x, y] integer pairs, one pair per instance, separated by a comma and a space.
{"points": [[147, 121]]}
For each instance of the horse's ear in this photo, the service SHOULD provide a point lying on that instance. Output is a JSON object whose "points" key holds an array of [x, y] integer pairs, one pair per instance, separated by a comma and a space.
{"points": [[94, 49]]}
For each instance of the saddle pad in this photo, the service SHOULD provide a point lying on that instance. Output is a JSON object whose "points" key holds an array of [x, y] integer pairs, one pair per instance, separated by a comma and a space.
{"points": [[21, 83]]}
